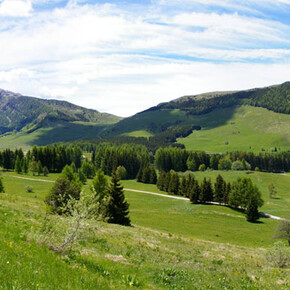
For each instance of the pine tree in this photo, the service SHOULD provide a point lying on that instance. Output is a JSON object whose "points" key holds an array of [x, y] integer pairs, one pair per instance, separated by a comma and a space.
{"points": [[25, 165], [182, 190], [33, 167], [173, 183], [161, 180], [118, 208], [153, 176], [206, 192], [139, 174], [219, 189], [18, 167], [1, 186], [252, 212], [195, 192], [39, 167], [45, 171]]}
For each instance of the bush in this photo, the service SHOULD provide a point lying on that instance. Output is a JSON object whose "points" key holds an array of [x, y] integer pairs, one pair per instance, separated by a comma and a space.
{"points": [[121, 172], [278, 255], [61, 192], [29, 188]]}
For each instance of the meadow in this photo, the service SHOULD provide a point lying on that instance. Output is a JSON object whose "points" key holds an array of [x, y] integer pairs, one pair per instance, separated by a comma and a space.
{"points": [[241, 130], [172, 244]]}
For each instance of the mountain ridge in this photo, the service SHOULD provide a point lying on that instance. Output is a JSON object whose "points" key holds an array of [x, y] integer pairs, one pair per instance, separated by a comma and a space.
{"points": [[18, 112]]}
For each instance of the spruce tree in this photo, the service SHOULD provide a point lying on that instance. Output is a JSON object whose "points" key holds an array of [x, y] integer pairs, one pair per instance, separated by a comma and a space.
{"points": [[18, 167], [252, 212], [173, 183], [153, 176], [39, 167], [25, 165], [195, 192], [118, 208], [1, 185], [219, 189]]}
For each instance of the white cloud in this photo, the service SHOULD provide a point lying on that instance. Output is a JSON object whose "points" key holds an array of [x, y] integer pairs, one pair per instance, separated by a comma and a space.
{"points": [[120, 61], [15, 8]]}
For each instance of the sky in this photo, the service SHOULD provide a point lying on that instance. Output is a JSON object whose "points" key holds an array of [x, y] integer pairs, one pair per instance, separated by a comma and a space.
{"points": [[123, 57]]}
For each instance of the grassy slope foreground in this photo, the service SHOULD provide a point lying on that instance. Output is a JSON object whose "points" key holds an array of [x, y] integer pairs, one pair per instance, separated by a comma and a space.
{"points": [[172, 244]]}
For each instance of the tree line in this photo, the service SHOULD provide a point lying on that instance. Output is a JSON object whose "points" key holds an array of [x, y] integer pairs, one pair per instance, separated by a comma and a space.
{"points": [[181, 160], [54, 158], [241, 194]]}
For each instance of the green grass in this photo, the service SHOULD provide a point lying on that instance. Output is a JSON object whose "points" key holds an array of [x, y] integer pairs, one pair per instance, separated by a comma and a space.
{"points": [[138, 133], [172, 244], [140, 122], [244, 128], [53, 133]]}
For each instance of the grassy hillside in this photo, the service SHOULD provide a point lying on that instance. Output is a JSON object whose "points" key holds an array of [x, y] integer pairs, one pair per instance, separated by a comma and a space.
{"points": [[172, 245], [27, 121], [237, 128], [243, 128], [243, 120]]}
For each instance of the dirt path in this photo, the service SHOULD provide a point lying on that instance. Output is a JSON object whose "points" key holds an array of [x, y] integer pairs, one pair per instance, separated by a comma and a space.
{"points": [[152, 193], [26, 178]]}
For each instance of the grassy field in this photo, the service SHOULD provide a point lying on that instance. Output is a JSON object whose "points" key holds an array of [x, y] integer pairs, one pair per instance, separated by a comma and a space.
{"points": [[245, 128], [172, 244]]}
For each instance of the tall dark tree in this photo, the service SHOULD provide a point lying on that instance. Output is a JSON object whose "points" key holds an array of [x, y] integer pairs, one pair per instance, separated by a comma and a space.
{"points": [[252, 212], [206, 192], [118, 208], [220, 188], [195, 192], [18, 166], [173, 183], [1, 185]]}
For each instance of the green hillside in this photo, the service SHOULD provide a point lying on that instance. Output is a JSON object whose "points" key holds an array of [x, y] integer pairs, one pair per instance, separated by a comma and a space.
{"points": [[247, 129], [26, 121], [172, 244], [251, 120]]}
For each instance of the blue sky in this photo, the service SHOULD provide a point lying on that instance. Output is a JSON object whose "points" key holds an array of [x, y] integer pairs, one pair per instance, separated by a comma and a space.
{"points": [[125, 56]]}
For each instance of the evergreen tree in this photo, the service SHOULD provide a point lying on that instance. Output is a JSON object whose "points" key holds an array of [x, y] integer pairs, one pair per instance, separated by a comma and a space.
{"points": [[33, 166], [153, 176], [1, 185], [219, 189], [182, 190], [18, 167], [173, 183], [25, 165], [39, 167], [118, 208], [206, 192], [45, 171], [82, 176], [195, 192], [99, 184], [252, 212], [161, 180]]}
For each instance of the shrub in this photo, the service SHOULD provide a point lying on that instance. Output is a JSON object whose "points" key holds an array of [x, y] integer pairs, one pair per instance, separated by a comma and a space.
{"points": [[278, 255], [29, 188]]}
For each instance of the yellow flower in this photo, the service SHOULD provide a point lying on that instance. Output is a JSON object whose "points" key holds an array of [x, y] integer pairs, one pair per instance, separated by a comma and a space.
{"points": [[11, 244]]}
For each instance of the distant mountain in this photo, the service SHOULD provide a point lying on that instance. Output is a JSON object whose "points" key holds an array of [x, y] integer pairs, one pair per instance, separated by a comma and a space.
{"points": [[25, 115]]}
